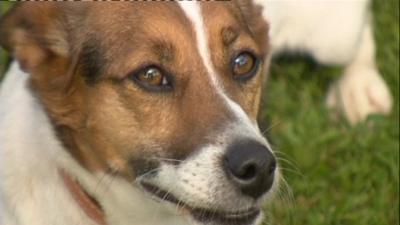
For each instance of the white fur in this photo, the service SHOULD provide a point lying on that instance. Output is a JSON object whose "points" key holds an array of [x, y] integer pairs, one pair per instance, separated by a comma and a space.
{"points": [[29, 183], [334, 33]]}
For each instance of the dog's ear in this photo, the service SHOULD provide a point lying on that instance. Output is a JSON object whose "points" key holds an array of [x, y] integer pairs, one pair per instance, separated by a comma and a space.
{"points": [[34, 32], [253, 15], [37, 35]]}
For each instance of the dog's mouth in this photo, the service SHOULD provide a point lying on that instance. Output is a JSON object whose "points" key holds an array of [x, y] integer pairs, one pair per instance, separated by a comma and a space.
{"points": [[205, 216]]}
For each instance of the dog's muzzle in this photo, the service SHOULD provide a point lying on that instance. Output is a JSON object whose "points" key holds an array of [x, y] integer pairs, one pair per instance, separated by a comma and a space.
{"points": [[218, 185]]}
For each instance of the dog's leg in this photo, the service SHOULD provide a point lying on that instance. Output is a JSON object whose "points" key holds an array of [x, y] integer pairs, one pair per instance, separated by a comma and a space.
{"points": [[361, 90]]}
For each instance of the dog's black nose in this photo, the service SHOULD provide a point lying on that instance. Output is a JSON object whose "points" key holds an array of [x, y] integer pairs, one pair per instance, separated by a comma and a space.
{"points": [[250, 166]]}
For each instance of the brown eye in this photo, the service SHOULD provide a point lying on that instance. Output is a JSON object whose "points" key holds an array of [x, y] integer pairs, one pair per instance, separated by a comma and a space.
{"points": [[152, 78], [244, 66]]}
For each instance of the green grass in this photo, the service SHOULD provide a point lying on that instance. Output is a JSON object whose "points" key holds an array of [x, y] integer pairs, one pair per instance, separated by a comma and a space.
{"points": [[338, 174], [3, 57]]}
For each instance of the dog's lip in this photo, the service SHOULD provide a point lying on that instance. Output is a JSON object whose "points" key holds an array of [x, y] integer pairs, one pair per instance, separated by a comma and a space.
{"points": [[244, 217]]}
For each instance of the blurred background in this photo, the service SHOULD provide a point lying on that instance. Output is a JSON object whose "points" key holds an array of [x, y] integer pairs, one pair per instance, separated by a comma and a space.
{"points": [[335, 173]]}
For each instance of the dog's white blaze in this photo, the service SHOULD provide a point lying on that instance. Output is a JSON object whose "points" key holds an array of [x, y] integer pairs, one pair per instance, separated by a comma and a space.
{"points": [[193, 12]]}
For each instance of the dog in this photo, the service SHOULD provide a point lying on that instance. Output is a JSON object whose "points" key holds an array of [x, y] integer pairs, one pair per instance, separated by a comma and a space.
{"points": [[334, 33], [134, 113], [145, 113]]}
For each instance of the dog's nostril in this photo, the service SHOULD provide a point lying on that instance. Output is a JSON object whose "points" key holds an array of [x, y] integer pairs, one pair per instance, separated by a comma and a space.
{"points": [[247, 172], [272, 167], [250, 166]]}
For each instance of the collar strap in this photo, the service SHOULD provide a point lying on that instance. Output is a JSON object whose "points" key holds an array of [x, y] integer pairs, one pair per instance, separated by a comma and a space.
{"points": [[87, 203]]}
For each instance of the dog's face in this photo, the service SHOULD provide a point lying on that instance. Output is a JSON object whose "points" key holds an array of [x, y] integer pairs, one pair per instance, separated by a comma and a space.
{"points": [[164, 94]]}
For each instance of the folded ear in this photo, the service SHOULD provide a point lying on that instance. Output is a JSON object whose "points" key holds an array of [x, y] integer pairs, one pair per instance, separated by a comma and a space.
{"points": [[34, 32], [253, 14]]}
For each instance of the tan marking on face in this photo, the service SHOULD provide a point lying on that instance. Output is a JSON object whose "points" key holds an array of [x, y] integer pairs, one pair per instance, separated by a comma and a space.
{"points": [[229, 35]]}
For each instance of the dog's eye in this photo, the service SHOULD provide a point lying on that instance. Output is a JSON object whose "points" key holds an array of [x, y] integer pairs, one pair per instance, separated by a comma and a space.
{"points": [[152, 78], [244, 66]]}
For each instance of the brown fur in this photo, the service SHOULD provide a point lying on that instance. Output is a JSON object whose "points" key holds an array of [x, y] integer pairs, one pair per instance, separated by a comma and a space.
{"points": [[80, 56]]}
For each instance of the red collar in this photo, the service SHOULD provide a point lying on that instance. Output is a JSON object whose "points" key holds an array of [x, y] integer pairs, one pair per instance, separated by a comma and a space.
{"points": [[88, 204]]}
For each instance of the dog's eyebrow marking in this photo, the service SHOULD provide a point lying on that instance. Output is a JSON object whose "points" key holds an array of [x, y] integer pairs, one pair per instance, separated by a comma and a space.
{"points": [[91, 60], [229, 35], [193, 11], [164, 51]]}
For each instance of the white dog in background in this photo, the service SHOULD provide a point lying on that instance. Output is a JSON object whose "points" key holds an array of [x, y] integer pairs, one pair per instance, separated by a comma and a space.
{"points": [[334, 33]]}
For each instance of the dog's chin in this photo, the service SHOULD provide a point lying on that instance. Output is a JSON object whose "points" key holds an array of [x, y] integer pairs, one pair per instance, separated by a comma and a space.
{"points": [[204, 216]]}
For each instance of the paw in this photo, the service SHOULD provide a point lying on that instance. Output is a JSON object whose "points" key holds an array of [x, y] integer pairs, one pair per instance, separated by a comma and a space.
{"points": [[359, 93]]}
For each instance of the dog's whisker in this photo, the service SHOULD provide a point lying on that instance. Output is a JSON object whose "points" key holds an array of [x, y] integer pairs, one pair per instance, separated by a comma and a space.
{"points": [[156, 211], [288, 163], [142, 176], [287, 199], [295, 172], [100, 181], [180, 205], [167, 159], [270, 127], [113, 174], [286, 194], [110, 171], [292, 166], [200, 165], [277, 152]]}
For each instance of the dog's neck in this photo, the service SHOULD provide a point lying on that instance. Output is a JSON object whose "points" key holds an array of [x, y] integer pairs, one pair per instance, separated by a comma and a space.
{"points": [[88, 203]]}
